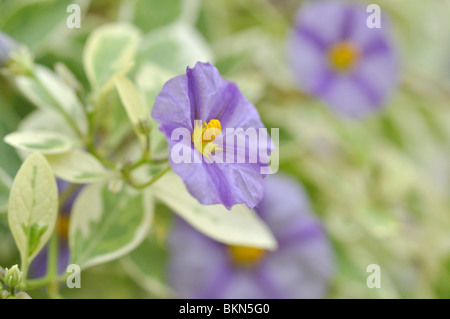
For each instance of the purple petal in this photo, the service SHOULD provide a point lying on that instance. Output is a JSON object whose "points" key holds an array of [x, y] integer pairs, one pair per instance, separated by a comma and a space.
{"points": [[287, 198], [202, 94], [245, 285], [361, 34], [324, 20], [172, 106], [38, 267], [303, 270], [349, 97], [308, 62], [195, 261], [319, 26], [302, 267]]}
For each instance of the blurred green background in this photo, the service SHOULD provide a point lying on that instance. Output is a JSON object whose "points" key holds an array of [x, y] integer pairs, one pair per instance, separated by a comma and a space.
{"points": [[380, 185]]}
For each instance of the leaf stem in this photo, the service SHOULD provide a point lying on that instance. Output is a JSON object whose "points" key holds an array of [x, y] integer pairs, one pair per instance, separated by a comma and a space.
{"points": [[153, 180], [52, 263]]}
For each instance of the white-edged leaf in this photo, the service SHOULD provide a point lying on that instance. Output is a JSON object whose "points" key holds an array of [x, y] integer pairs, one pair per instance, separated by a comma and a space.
{"points": [[49, 93], [40, 120], [134, 105], [33, 206], [175, 47], [106, 226], [40, 141], [238, 226], [5, 186], [78, 167], [150, 79], [109, 49]]}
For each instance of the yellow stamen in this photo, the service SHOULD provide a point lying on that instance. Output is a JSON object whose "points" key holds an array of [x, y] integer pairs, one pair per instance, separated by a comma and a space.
{"points": [[343, 56], [211, 130], [203, 136], [246, 256]]}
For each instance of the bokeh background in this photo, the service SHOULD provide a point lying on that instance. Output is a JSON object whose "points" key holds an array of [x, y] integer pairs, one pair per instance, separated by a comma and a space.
{"points": [[380, 184]]}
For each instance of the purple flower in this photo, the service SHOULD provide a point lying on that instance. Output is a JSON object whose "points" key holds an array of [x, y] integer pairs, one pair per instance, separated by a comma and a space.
{"points": [[38, 267], [206, 107], [337, 57], [6, 46], [301, 267]]}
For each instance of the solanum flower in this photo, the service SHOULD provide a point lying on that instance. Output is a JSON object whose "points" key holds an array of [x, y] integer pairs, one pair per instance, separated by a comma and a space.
{"points": [[301, 267], [203, 109], [336, 56]]}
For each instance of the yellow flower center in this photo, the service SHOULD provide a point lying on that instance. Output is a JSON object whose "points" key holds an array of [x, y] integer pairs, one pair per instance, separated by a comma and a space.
{"points": [[246, 256], [204, 136], [343, 56]]}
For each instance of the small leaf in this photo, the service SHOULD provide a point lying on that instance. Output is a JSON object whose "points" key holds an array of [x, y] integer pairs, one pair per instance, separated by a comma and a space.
{"points": [[134, 105], [109, 49], [78, 167], [40, 120], [238, 226], [106, 226], [40, 141], [150, 79], [33, 206], [175, 47], [49, 93]]}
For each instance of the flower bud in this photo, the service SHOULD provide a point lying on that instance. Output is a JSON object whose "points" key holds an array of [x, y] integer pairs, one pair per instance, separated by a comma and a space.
{"points": [[23, 295], [13, 276], [143, 126], [7, 45]]}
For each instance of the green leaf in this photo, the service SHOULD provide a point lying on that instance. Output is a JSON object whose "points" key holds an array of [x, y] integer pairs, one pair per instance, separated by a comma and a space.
{"points": [[33, 206], [40, 120], [109, 49], [150, 14], [175, 47], [150, 79], [134, 105], [148, 267], [106, 226], [78, 167], [5, 186], [238, 226], [32, 22], [40, 141], [50, 93]]}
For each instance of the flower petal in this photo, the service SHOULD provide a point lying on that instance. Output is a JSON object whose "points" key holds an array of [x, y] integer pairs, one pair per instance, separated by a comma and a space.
{"points": [[196, 261]]}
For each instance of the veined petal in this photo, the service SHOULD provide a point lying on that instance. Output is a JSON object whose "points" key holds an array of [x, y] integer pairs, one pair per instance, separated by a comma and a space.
{"points": [[202, 96]]}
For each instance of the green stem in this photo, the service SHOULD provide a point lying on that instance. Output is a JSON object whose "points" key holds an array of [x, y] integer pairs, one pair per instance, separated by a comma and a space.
{"points": [[24, 268], [91, 148], [153, 180], [42, 282], [52, 260]]}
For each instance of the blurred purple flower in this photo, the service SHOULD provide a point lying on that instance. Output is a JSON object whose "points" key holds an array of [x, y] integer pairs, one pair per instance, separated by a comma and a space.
{"points": [[301, 267], [201, 101], [338, 58], [7, 44], [39, 265]]}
